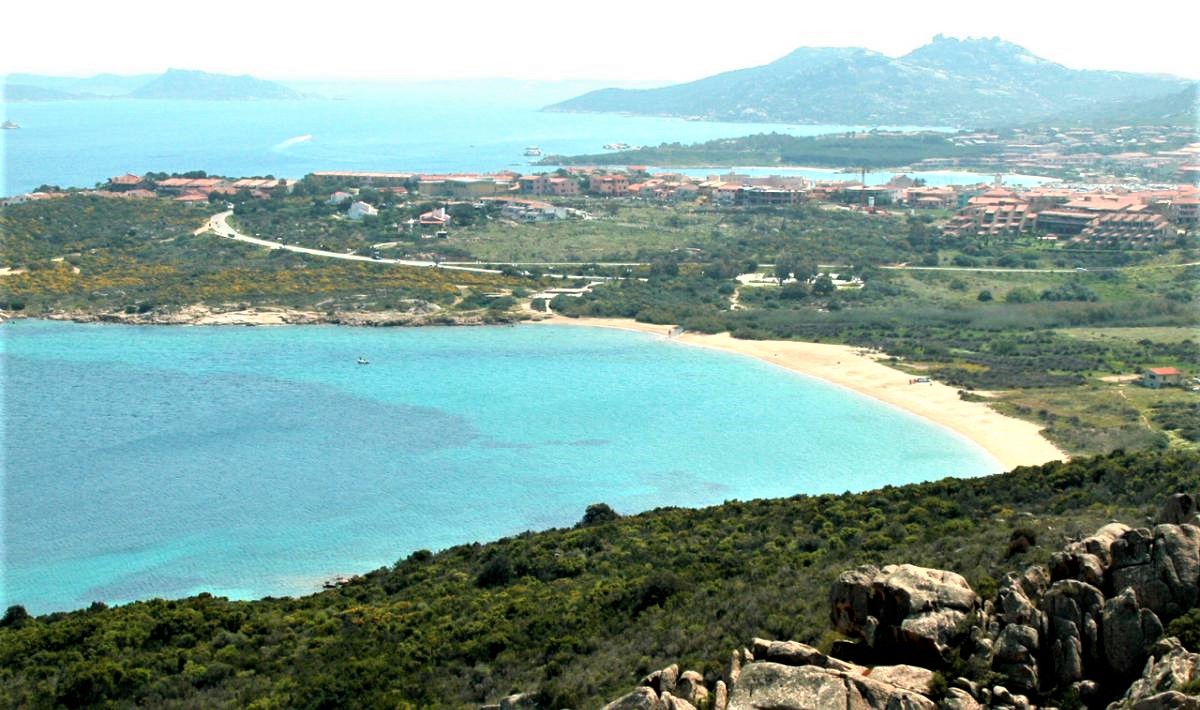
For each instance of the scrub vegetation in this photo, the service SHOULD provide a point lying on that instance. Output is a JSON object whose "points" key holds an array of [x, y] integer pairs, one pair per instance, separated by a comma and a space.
{"points": [[576, 615]]}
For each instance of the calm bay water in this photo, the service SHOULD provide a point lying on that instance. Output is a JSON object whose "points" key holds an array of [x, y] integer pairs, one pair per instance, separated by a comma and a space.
{"points": [[164, 461], [422, 128]]}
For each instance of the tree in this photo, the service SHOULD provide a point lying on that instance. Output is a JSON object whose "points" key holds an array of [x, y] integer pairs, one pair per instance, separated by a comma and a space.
{"points": [[598, 513], [497, 572], [824, 285], [985, 295], [15, 616], [784, 265]]}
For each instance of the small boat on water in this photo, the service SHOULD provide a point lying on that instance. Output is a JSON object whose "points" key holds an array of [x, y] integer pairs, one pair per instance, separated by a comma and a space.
{"points": [[363, 361], [533, 150], [617, 146], [9, 125]]}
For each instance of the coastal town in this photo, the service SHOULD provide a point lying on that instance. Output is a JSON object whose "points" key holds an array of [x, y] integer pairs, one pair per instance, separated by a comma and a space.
{"points": [[1104, 202]]}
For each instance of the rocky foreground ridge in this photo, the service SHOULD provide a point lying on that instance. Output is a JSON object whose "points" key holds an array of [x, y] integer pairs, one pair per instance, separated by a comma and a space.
{"points": [[1086, 630]]}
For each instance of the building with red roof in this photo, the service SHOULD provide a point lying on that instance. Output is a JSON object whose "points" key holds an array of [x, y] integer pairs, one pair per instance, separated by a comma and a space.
{"points": [[1157, 377]]}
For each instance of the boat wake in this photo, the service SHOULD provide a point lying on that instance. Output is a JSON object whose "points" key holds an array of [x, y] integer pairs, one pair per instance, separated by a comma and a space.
{"points": [[284, 145]]}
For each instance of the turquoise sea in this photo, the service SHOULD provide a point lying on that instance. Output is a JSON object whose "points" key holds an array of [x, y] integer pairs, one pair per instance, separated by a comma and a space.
{"points": [[434, 127], [164, 461]]}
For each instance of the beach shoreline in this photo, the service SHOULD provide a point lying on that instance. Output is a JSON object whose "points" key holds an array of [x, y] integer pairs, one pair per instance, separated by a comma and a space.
{"points": [[1011, 442]]}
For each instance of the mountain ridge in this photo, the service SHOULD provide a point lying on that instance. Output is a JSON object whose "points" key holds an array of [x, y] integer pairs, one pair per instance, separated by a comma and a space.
{"points": [[971, 82]]}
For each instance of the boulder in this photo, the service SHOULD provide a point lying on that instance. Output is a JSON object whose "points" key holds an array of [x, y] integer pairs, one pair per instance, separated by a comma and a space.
{"points": [[794, 653], [1162, 566], [1129, 632], [691, 688], [1168, 670], [1015, 655], [735, 667], [902, 612], [1014, 599], [1133, 548], [909, 590], [959, 699], [902, 676], [851, 602], [720, 696], [926, 635], [1089, 559], [774, 686], [643, 698], [662, 681], [1072, 635], [670, 702]]}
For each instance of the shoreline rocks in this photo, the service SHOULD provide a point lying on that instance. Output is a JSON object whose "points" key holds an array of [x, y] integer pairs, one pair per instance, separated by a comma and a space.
{"points": [[421, 314]]}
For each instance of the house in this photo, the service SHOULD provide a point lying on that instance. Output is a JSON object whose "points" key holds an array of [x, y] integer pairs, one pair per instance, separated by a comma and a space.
{"points": [[614, 185], [1157, 377], [127, 181], [549, 184], [360, 209], [338, 198], [531, 211], [726, 194], [562, 187], [434, 218]]}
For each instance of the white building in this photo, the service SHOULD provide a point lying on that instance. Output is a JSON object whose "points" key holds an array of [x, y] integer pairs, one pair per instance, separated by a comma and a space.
{"points": [[360, 209]]}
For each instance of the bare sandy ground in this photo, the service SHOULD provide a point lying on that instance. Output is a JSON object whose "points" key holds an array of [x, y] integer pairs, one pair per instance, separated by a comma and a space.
{"points": [[1012, 442]]}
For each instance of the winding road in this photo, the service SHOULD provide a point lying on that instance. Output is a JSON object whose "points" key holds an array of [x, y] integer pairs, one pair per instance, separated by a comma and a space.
{"points": [[219, 225]]}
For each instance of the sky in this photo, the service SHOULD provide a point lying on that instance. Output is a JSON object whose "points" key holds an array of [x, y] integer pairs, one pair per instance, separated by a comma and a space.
{"points": [[616, 40]]}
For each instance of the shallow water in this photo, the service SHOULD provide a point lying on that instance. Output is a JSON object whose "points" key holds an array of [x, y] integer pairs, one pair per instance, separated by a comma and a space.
{"points": [[164, 461]]}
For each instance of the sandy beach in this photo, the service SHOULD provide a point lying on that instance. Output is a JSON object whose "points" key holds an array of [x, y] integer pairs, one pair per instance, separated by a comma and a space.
{"points": [[1012, 442]]}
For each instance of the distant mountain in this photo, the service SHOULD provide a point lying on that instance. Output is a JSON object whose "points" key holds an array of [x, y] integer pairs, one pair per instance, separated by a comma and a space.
{"points": [[949, 82], [26, 92], [174, 84], [1180, 109], [82, 87], [189, 84]]}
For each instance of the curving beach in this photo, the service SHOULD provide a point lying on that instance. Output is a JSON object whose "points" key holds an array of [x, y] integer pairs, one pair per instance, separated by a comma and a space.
{"points": [[1012, 442]]}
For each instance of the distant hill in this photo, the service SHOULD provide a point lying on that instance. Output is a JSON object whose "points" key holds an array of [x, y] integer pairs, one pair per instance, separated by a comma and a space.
{"points": [[948, 82], [26, 92], [81, 87], [1179, 109], [173, 84], [188, 84]]}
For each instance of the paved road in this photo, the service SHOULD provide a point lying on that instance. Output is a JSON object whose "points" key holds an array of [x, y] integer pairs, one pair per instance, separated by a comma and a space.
{"points": [[218, 224]]}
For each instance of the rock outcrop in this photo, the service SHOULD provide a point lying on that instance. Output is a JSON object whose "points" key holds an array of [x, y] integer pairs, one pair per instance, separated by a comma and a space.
{"points": [[773, 686], [1168, 681], [1088, 626], [641, 699], [902, 612]]}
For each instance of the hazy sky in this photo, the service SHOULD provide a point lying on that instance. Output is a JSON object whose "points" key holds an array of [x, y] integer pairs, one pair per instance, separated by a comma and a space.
{"points": [[618, 40]]}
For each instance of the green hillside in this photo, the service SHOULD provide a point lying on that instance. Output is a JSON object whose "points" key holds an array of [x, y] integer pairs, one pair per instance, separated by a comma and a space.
{"points": [[575, 614]]}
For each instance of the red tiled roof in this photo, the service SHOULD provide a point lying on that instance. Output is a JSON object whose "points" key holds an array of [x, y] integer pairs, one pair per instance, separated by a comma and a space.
{"points": [[1165, 371]]}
